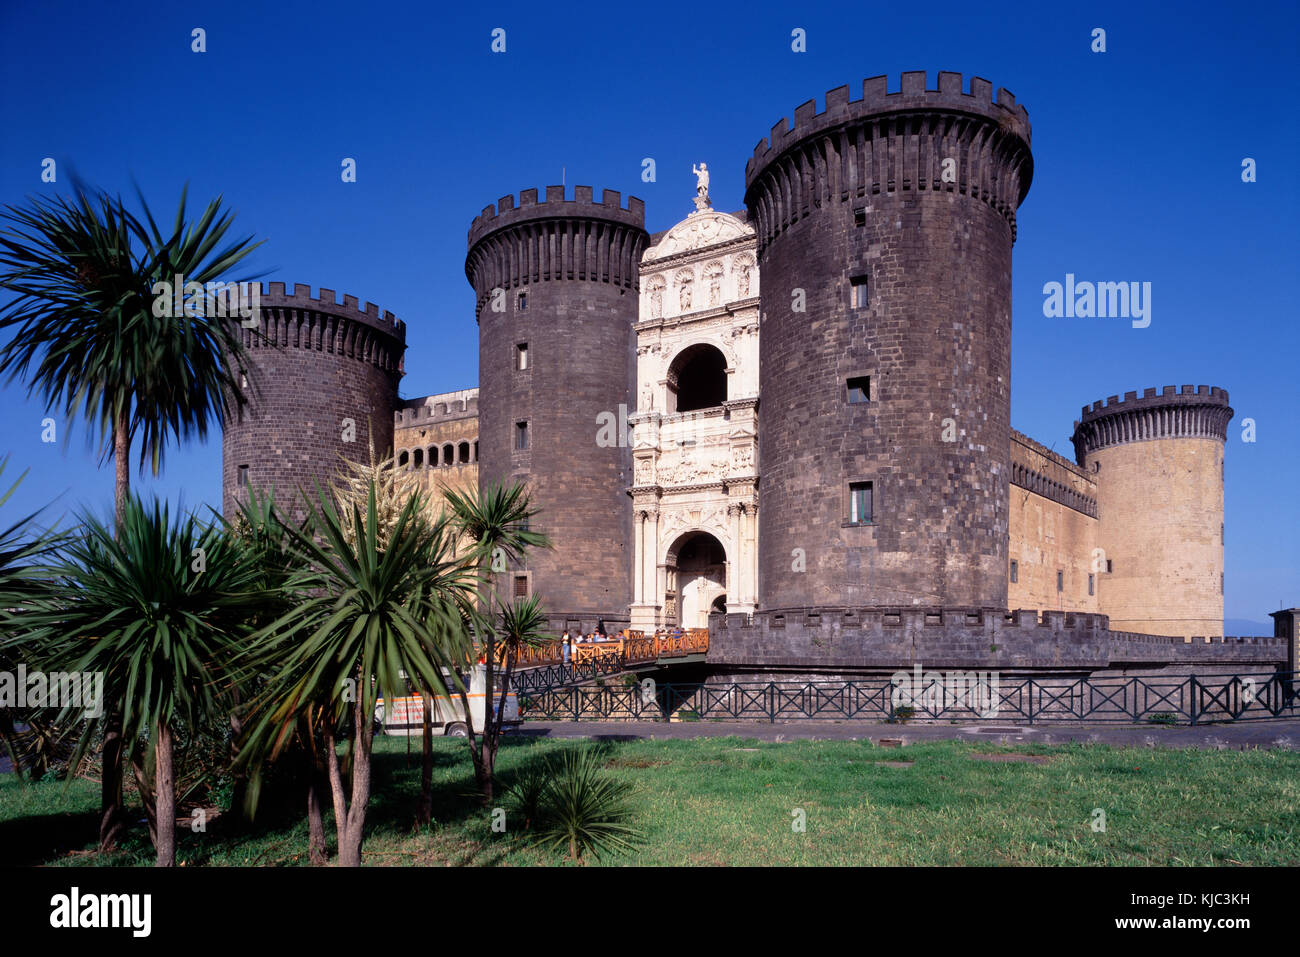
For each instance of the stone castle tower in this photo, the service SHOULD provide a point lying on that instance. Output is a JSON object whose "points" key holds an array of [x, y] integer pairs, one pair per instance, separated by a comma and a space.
{"points": [[882, 274], [322, 386], [782, 420], [1158, 462], [555, 288]]}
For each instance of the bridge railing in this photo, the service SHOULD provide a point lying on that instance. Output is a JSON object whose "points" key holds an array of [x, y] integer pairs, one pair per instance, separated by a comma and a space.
{"points": [[542, 667]]}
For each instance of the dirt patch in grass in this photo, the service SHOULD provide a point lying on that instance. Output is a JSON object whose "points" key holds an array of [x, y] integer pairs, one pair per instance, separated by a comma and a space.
{"points": [[893, 764], [1013, 758], [633, 763]]}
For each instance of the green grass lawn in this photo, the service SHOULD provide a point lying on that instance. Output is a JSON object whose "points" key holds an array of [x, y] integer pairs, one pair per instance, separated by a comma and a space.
{"points": [[732, 801]]}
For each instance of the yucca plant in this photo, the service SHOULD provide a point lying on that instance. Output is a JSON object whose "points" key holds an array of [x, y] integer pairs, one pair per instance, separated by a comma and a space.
{"points": [[23, 582], [83, 336], [495, 522], [366, 617], [584, 809], [156, 606]]}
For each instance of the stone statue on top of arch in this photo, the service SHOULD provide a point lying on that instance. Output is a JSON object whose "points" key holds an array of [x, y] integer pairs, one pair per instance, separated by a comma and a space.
{"points": [[702, 200]]}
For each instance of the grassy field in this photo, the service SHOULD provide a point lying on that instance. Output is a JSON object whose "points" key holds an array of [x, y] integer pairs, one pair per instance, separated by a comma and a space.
{"points": [[730, 801]]}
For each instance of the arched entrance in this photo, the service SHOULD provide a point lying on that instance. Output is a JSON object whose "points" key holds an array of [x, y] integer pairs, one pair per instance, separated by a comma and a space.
{"points": [[696, 567]]}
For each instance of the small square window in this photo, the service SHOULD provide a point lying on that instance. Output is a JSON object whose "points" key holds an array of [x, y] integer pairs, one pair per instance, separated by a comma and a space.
{"points": [[1060, 580], [521, 586], [243, 476], [523, 302], [859, 286], [860, 216], [521, 357], [860, 503], [1015, 571], [859, 389], [1091, 584], [521, 435]]}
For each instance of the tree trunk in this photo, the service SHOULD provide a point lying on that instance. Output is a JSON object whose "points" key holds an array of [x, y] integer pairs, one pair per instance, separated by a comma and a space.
{"points": [[111, 820], [336, 784], [424, 814], [317, 784], [7, 736], [350, 850], [165, 789], [139, 765], [315, 819]]}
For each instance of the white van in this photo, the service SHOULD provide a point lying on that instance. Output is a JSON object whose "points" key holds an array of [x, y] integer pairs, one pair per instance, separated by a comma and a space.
{"points": [[405, 716]]}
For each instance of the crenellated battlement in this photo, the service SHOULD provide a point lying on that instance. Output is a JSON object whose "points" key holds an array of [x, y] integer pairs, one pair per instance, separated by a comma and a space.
{"points": [[1199, 411], [558, 239], [506, 212], [908, 140], [274, 294], [299, 320], [953, 94], [441, 407]]}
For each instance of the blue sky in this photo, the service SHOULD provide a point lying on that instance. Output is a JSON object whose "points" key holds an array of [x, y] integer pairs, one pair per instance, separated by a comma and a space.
{"points": [[1138, 156]]}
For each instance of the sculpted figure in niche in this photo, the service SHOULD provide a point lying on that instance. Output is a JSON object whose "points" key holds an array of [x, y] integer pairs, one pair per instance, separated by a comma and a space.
{"points": [[715, 285], [685, 300], [656, 301], [647, 398], [742, 281]]}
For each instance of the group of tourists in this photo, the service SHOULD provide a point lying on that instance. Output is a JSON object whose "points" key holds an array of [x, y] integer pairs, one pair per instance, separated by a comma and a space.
{"points": [[570, 640]]}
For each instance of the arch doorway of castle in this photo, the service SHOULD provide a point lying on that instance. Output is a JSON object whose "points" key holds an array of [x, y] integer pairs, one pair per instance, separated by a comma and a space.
{"points": [[697, 576], [697, 379]]}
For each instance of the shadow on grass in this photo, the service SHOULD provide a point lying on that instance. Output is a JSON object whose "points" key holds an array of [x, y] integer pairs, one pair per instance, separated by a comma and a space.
{"points": [[27, 841]]}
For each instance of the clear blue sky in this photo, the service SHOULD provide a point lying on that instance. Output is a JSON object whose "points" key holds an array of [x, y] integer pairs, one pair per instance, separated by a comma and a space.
{"points": [[1138, 175]]}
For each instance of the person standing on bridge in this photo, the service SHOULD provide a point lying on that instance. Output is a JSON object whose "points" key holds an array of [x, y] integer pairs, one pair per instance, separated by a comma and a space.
{"points": [[565, 651]]}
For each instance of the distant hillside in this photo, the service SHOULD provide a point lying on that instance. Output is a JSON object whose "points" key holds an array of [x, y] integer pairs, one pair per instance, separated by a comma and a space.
{"points": [[1243, 628]]}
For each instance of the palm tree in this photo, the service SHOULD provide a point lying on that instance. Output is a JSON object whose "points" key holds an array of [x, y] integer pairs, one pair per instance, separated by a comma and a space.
{"points": [[22, 583], [495, 522], [157, 607], [393, 488], [86, 339], [368, 614]]}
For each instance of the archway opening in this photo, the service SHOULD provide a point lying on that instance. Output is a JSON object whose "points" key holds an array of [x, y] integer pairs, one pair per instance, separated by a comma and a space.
{"points": [[696, 579], [697, 379]]}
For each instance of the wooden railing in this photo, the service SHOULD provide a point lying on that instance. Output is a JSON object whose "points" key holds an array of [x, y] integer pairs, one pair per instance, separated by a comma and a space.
{"points": [[633, 646]]}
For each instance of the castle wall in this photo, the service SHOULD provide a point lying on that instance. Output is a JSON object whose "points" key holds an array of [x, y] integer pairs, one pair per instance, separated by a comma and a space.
{"points": [[322, 383], [858, 192], [844, 640], [1158, 463], [1053, 528], [575, 262], [432, 424]]}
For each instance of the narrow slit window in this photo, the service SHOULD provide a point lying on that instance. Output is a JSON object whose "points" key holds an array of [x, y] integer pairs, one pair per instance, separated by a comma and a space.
{"points": [[1060, 580], [1015, 571], [523, 302], [521, 436], [521, 357], [859, 288]]}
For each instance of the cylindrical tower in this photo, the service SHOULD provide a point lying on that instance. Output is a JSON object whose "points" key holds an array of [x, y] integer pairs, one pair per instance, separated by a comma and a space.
{"points": [[885, 228], [556, 297], [321, 384], [1158, 463]]}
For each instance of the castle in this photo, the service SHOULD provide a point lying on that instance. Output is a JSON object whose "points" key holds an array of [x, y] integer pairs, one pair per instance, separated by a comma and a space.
{"points": [[787, 422]]}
